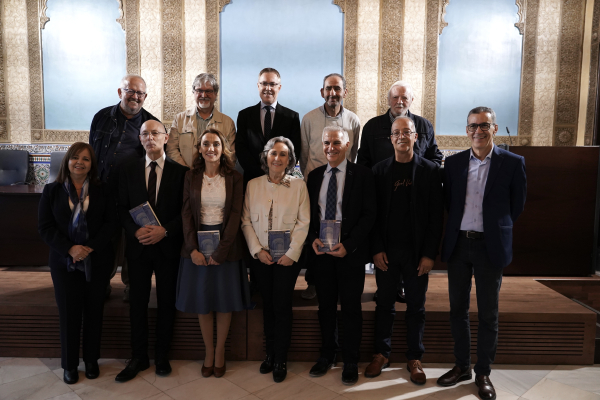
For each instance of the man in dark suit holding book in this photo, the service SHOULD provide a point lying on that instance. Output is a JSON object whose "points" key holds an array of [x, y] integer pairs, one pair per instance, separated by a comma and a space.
{"points": [[157, 180], [343, 191], [404, 243]]}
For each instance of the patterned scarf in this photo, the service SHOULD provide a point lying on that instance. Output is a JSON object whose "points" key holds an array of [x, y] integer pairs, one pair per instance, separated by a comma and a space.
{"points": [[78, 230]]}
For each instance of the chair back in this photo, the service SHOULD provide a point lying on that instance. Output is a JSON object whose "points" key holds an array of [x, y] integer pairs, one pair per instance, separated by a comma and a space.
{"points": [[56, 158], [13, 166]]}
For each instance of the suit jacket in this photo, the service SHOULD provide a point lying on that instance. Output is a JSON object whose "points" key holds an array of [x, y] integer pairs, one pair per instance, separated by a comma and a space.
{"points": [[426, 207], [230, 244], [133, 192], [503, 202], [250, 140], [358, 209], [53, 224], [376, 146]]}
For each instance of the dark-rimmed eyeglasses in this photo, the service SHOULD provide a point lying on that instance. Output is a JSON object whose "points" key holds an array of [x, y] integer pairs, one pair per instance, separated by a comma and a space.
{"points": [[132, 92], [206, 92], [484, 127], [405, 133], [269, 84]]}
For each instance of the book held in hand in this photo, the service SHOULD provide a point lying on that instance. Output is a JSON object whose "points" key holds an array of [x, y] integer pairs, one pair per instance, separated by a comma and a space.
{"points": [[329, 234], [143, 215], [208, 241], [279, 243]]}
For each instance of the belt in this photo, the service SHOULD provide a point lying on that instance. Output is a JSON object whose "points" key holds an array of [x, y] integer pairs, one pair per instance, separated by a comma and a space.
{"points": [[472, 234]]}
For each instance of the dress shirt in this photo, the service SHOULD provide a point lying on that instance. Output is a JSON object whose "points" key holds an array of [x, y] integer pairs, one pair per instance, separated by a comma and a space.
{"points": [[476, 179], [341, 180], [263, 112], [160, 164]]}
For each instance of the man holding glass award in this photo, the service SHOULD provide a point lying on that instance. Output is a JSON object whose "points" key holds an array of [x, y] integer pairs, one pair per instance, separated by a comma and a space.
{"points": [[342, 204]]}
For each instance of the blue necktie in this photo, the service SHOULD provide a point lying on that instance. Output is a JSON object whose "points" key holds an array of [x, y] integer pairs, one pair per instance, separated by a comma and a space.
{"points": [[267, 129], [331, 204]]}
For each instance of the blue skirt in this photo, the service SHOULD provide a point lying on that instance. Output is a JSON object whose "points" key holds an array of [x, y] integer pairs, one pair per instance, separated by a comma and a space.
{"points": [[220, 288]]}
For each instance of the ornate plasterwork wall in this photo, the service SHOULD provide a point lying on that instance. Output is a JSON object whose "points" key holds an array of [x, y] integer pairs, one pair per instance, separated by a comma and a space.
{"points": [[390, 47], [593, 87], [36, 86], [367, 59], [151, 54], [350, 10], [131, 15], [172, 59], [433, 17], [527, 100], [413, 49], [195, 44], [3, 125]]}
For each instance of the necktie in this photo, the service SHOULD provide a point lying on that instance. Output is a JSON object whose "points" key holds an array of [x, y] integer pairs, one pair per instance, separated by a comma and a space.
{"points": [[267, 129], [152, 185], [331, 204]]}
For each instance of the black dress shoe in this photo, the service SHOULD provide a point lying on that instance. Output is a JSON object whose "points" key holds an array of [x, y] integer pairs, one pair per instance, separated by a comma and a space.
{"points": [[279, 372], [454, 376], [163, 367], [267, 365], [134, 366], [350, 374], [71, 376], [486, 389], [92, 370], [321, 367]]}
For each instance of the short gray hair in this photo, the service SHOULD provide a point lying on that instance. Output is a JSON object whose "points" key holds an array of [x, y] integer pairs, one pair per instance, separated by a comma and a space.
{"points": [[482, 109], [333, 128], [270, 144], [414, 127], [337, 75], [127, 78], [206, 78], [403, 84]]}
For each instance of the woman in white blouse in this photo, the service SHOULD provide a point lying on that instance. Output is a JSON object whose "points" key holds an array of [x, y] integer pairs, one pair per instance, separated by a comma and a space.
{"points": [[276, 201], [212, 201]]}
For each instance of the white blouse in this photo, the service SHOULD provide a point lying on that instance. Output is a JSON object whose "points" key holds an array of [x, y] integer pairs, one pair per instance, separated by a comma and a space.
{"points": [[212, 202]]}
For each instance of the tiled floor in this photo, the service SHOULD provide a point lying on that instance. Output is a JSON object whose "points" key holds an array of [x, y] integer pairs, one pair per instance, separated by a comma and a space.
{"points": [[41, 378]]}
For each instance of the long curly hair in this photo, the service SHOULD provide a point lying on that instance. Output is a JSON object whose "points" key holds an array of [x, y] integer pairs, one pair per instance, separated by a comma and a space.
{"points": [[226, 160]]}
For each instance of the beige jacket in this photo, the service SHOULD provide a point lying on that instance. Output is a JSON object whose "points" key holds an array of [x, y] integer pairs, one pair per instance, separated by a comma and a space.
{"points": [[184, 134], [291, 210]]}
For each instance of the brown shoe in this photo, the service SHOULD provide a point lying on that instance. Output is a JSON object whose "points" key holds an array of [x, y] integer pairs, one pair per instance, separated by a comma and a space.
{"points": [[374, 369], [454, 376], [220, 371], [207, 371], [486, 389], [417, 375]]}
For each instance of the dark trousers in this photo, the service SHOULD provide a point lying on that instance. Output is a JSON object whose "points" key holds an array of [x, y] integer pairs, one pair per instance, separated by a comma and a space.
{"points": [[118, 243], [79, 301], [415, 288], [344, 277], [140, 285], [470, 258], [276, 286]]}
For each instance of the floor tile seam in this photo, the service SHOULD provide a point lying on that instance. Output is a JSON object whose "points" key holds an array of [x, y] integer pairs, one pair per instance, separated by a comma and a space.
{"points": [[571, 385], [30, 376]]}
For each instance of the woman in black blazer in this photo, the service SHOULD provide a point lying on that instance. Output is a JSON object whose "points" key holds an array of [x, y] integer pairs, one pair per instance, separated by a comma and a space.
{"points": [[77, 218]]}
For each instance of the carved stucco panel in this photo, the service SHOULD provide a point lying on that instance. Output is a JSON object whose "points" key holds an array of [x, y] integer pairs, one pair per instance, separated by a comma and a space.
{"points": [[528, 70], [195, 44], [390, 45], [58, 136], [2, 82], [151, 54], [132, 35], [413, 49], [367, 60], [591, 105], [173, 76], [36, 86], [17, 70], [429, 94]]}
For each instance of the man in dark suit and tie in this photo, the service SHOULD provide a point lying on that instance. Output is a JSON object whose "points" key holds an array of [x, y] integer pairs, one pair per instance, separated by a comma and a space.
{"points": [[485, 189], [343, 191], [157, 180], [263, 121]]}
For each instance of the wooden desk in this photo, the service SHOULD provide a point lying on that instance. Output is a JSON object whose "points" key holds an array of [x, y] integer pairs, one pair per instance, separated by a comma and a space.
{"points": [[20, 243]]}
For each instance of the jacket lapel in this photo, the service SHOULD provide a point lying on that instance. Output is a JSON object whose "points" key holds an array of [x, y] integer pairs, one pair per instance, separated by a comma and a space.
{"points": [[164, 182], [347, 187], [417, 169], [495, 163], [256, 126], [389, 183], [278, 120], [140, 181], [463, 176]]}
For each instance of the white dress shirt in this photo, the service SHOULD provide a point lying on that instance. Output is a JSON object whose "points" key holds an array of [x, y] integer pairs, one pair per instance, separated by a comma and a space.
{"points": [[160, 165], [341, 180]]}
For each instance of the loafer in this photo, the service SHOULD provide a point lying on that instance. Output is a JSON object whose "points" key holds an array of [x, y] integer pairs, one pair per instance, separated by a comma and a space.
{"points": [[279, 372], [309, 293], [220, 371], [71, 376], [207, 371], [134, 366], [374, 368], [267, 365], [321, 367], [454, 376], [350, 374], [417, 375], [163, 367], [92, 370], [486, 389]]}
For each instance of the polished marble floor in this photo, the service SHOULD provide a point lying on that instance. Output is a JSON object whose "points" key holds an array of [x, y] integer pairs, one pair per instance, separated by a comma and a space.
{"points": [[41, 378]]}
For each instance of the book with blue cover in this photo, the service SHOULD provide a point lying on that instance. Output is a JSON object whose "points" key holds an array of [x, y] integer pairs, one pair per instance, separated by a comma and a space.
{"points": [[143, 215], [330, 234], [208, 241], [279, 243]]}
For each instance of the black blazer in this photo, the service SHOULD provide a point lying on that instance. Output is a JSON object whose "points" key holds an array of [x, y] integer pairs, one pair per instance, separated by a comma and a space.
{"points": [[426, 207], [250, 141], [54, 215], [133, 192], [503, 201], [358, 209]]}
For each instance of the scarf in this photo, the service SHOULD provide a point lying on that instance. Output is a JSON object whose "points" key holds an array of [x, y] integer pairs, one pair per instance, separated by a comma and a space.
{"points": [[78, 230]]}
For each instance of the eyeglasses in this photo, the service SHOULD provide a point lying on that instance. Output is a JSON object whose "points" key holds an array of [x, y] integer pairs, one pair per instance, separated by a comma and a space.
{"points": [[132, 92], [206, 92], [405, 133], [484, 127], [154, 134], [268, 84]]}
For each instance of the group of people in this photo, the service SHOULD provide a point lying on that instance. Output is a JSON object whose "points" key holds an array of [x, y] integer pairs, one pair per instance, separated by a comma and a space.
{"points": [[387, 194]]}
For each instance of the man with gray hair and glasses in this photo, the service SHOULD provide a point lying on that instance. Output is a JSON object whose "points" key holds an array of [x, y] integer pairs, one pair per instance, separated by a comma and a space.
{"points": [[188, 125], [114, 136]]}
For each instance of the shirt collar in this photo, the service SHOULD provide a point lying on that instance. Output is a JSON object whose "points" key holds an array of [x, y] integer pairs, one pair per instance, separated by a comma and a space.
{"points": [[263, 105], [341, 167], [285, 181], [210, 116], [489, 155], [160, 161], [392, 118], [340, 115]]}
